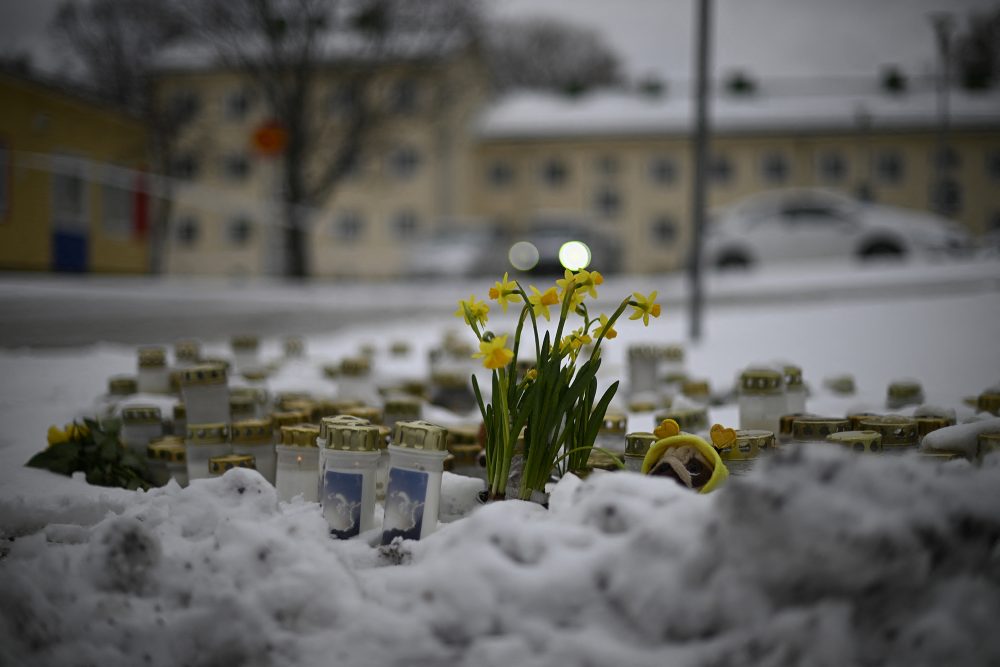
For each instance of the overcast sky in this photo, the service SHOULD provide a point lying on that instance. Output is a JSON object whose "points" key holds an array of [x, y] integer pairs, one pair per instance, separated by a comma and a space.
{"points": [[766, 37]]}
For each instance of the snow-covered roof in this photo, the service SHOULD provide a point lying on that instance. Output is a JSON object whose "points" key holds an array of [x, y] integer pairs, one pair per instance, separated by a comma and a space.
{"points": [[536, 115], [195, 55]]}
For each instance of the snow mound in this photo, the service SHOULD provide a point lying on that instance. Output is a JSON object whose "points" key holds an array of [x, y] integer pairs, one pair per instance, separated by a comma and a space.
{"points": [[818, 557]]}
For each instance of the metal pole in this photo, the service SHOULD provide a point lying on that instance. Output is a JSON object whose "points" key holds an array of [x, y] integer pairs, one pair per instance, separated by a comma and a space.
{"points": [[700, 161], [943, 23]]}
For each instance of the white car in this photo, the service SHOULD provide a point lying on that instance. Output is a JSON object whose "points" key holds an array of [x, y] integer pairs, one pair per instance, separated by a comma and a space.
{"points": [[810, 224]]}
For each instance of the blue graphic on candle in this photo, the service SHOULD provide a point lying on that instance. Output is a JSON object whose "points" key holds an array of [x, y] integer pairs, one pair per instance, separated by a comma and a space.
{"points": [[342, 503], [404, 505]]}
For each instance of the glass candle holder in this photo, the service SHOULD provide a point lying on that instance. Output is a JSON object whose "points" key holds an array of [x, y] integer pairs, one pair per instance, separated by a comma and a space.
{"points": [[611, 435], [401, 409], [153, 376], [255, 437], [349, 467], [166, 460], [244, 350], [904, 392], [795, 391], [899, 433], [297, 468], [636, 446], [326, 425], [202, 443], [141, 424], [218, 465], [762, 399], [463, 443], [816, 429], [416, 463], [643, 369], [206, 394], [750, 445], [187, 353]]}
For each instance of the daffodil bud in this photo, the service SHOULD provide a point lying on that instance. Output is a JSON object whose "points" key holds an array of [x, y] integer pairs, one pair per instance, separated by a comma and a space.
{"points": [[581, 310], [488, 336]]}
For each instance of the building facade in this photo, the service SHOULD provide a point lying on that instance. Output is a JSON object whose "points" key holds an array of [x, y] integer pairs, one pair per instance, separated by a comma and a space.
{"points": [[617, 163], [72, 195]]}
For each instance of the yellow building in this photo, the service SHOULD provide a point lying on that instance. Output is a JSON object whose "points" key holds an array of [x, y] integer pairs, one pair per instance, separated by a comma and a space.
{"points": [[414, 171], [69, 173], [613, 162]]}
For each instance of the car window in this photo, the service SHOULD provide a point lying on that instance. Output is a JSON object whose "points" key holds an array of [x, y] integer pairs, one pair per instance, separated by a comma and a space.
{"points": [[808, 213]]}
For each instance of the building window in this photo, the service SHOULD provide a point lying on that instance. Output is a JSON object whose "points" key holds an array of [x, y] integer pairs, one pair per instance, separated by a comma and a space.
{"points": [[188, 231], [774, 168], [238, 104], [664, 230], [341, 101], [116, 207], [720, 170], [240, 231], [889, 167], [608, 202], [993, 165], [662, 170], [236, 166], [4, 181], [404, 224], [184, 105], [500, 174], [404, 162], [946, 196], [832, 167], [608, 165], [185, 167], [555, 173], [403, 97], [348, 226], [945, 158]]}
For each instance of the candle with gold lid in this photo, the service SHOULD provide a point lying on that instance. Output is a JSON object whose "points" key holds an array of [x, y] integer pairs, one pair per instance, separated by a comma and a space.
{"points": [[331, 407], [255, 437], [611, 434], [366, 412], [400, 408], [416, 462], [187, 353], [178, 425], [297, 469], [989, 401], [348, 486], [742, 453], [816, 429], [929, 423], [218, 465], [463, 443], [355, 381], [122, 385], [141, 424], [762, 399], [987, 444], [795, 389], [696, 390], [785, 424], [294, 346], [637, 444], [324, 438], [153, 375], [857, 417], [399, 348], [289, 418], [205, 392], [840, 384], [242, 407], [203, 442], [644, 403], [257, 394], [898, 433], [904, 392], [452, 390], [244, 348], [165, 458], [643, 368], [866, 442]]}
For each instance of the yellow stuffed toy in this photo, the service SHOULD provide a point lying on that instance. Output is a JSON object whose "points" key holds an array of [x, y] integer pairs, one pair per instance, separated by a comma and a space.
{"points": [[684, 457]]}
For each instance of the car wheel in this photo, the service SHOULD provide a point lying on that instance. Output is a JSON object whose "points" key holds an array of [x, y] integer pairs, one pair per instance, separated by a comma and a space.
{"points": [[881, 250], [733, 261]]}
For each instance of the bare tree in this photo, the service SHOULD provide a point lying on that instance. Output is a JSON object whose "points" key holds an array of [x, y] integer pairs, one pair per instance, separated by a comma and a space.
{"points": [[977, 51], [551, 55], [285, 47], [118, 41]]}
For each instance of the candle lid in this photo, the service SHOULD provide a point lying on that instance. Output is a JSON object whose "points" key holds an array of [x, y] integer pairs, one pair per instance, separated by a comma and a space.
{"points": [[905, 390], [808, 428], [638, 443], [220, 464], [289, 418], [253, 431], [761, 381], [187, 350], [403, 404], [793, 376], [353, 437], [203, 374], [122, 385], [691, 387], [372, 414], [614, 423], [244, 342], [896, 430], [152, 357], [988, 401], [355, 366], [299, 435], [169, 448], [690, 419], [460, 436], [420, 435], [141, 414], [207, 434], [859, 441], [295, 346]]}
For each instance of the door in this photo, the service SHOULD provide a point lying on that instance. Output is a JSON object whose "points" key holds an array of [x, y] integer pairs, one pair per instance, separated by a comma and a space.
{"points": [[70, 222]]}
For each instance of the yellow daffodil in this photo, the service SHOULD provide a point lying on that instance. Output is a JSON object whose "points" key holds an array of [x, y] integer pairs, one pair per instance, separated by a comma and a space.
{"points": [[472, 311], [505, 291], [605, 328], [540, 301], [494, 353], [574, 341], [69, 433], [588, 282], [532, 374], [57, 436], [569, 282], [644, 307]]}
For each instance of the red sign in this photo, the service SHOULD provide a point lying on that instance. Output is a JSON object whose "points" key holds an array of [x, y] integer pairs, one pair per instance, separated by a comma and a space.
{"points": [[270, 138]]}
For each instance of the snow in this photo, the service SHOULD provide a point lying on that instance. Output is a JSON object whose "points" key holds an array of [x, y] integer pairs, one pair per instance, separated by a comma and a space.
{"points": [[532, 115], [817, 557]]}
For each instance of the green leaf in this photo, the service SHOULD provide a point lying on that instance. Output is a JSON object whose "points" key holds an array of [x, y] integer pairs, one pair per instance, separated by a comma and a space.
{"points": [[62, 458]]}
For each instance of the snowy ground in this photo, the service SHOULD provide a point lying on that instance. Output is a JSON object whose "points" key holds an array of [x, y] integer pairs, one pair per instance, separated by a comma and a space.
{"points": [[817, 558]]}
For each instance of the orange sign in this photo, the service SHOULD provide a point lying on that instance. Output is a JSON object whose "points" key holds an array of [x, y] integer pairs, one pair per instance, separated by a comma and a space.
{"points": [[270, 138]]}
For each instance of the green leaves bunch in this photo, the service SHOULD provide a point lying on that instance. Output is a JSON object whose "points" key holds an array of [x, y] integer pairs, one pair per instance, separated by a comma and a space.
{"points": [[94, 449]]}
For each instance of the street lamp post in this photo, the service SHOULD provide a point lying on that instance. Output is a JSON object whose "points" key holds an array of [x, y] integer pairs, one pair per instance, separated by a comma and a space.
{"points": [[700, 160], [943, 197]]}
